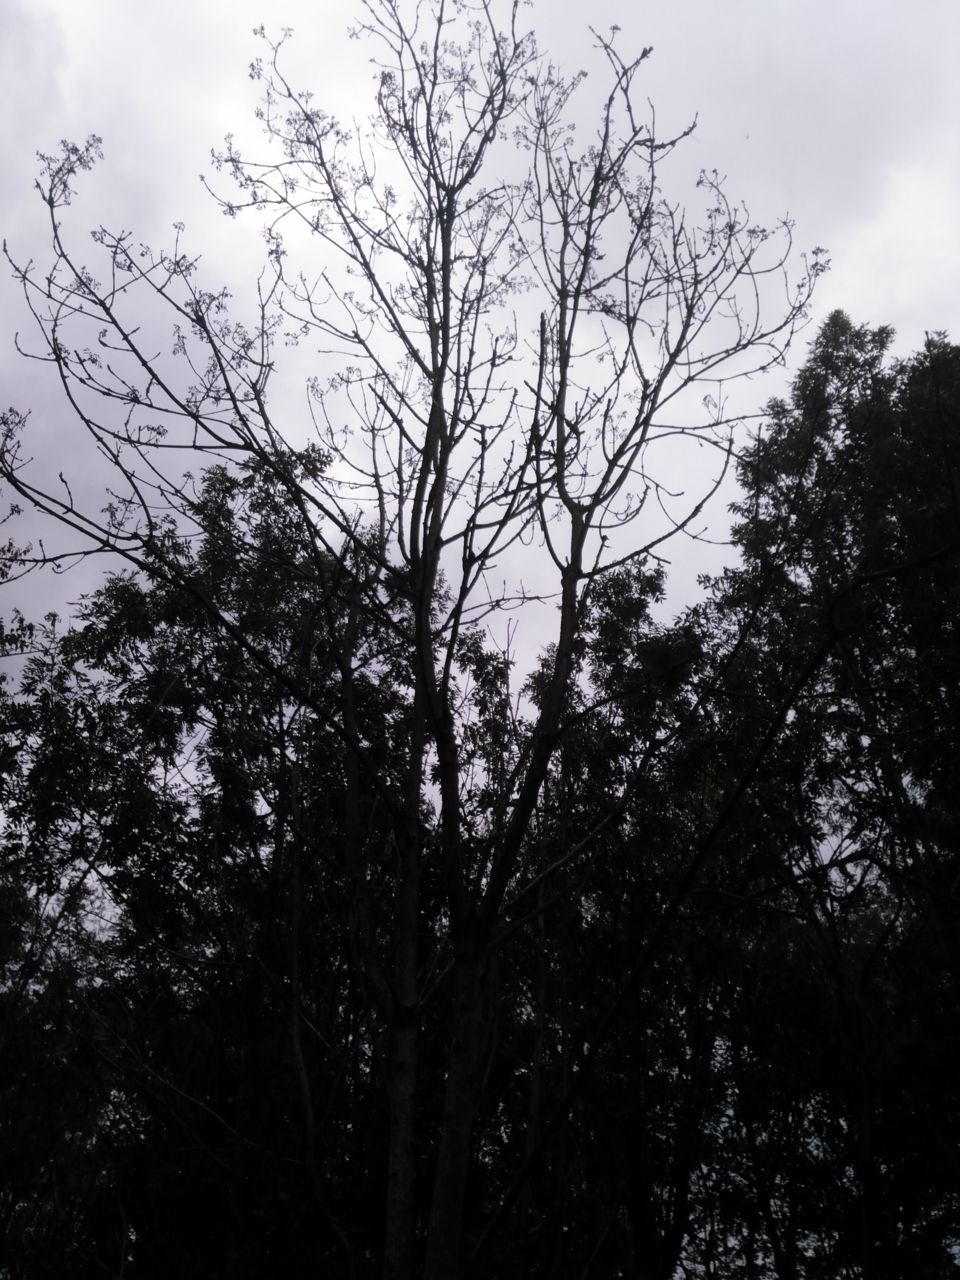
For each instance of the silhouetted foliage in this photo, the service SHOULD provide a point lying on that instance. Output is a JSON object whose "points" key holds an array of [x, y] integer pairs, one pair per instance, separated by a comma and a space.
{"points": [[720, 1014], [329, 950]]}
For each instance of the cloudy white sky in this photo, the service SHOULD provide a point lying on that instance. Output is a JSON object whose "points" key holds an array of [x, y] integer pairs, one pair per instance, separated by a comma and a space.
{"points": [[844, 114]]}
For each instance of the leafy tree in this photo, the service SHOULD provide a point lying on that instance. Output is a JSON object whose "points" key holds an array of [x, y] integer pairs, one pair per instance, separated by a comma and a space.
{"points": [[510, 353], [717, 1015], [846, 595]]}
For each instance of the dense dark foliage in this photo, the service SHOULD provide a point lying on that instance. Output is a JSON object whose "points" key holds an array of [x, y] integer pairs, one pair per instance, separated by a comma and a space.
{"points": [[719, 1028], [334, 944]]}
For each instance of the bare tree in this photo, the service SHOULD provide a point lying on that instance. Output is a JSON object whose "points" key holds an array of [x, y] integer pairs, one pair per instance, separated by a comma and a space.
{"points": [[510, 322]]}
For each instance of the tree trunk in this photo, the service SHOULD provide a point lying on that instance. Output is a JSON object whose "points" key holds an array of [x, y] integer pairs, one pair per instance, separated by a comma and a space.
{"points": [[402, 1082], [401, 1161], [453, 1157]]}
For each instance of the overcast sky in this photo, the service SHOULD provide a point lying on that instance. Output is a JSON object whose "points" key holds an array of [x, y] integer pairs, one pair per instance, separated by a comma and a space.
{"points": [[844, 114]]}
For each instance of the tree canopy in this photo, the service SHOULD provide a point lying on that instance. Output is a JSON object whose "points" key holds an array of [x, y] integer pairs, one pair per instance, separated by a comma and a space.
{"points": [[333, 942]]}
